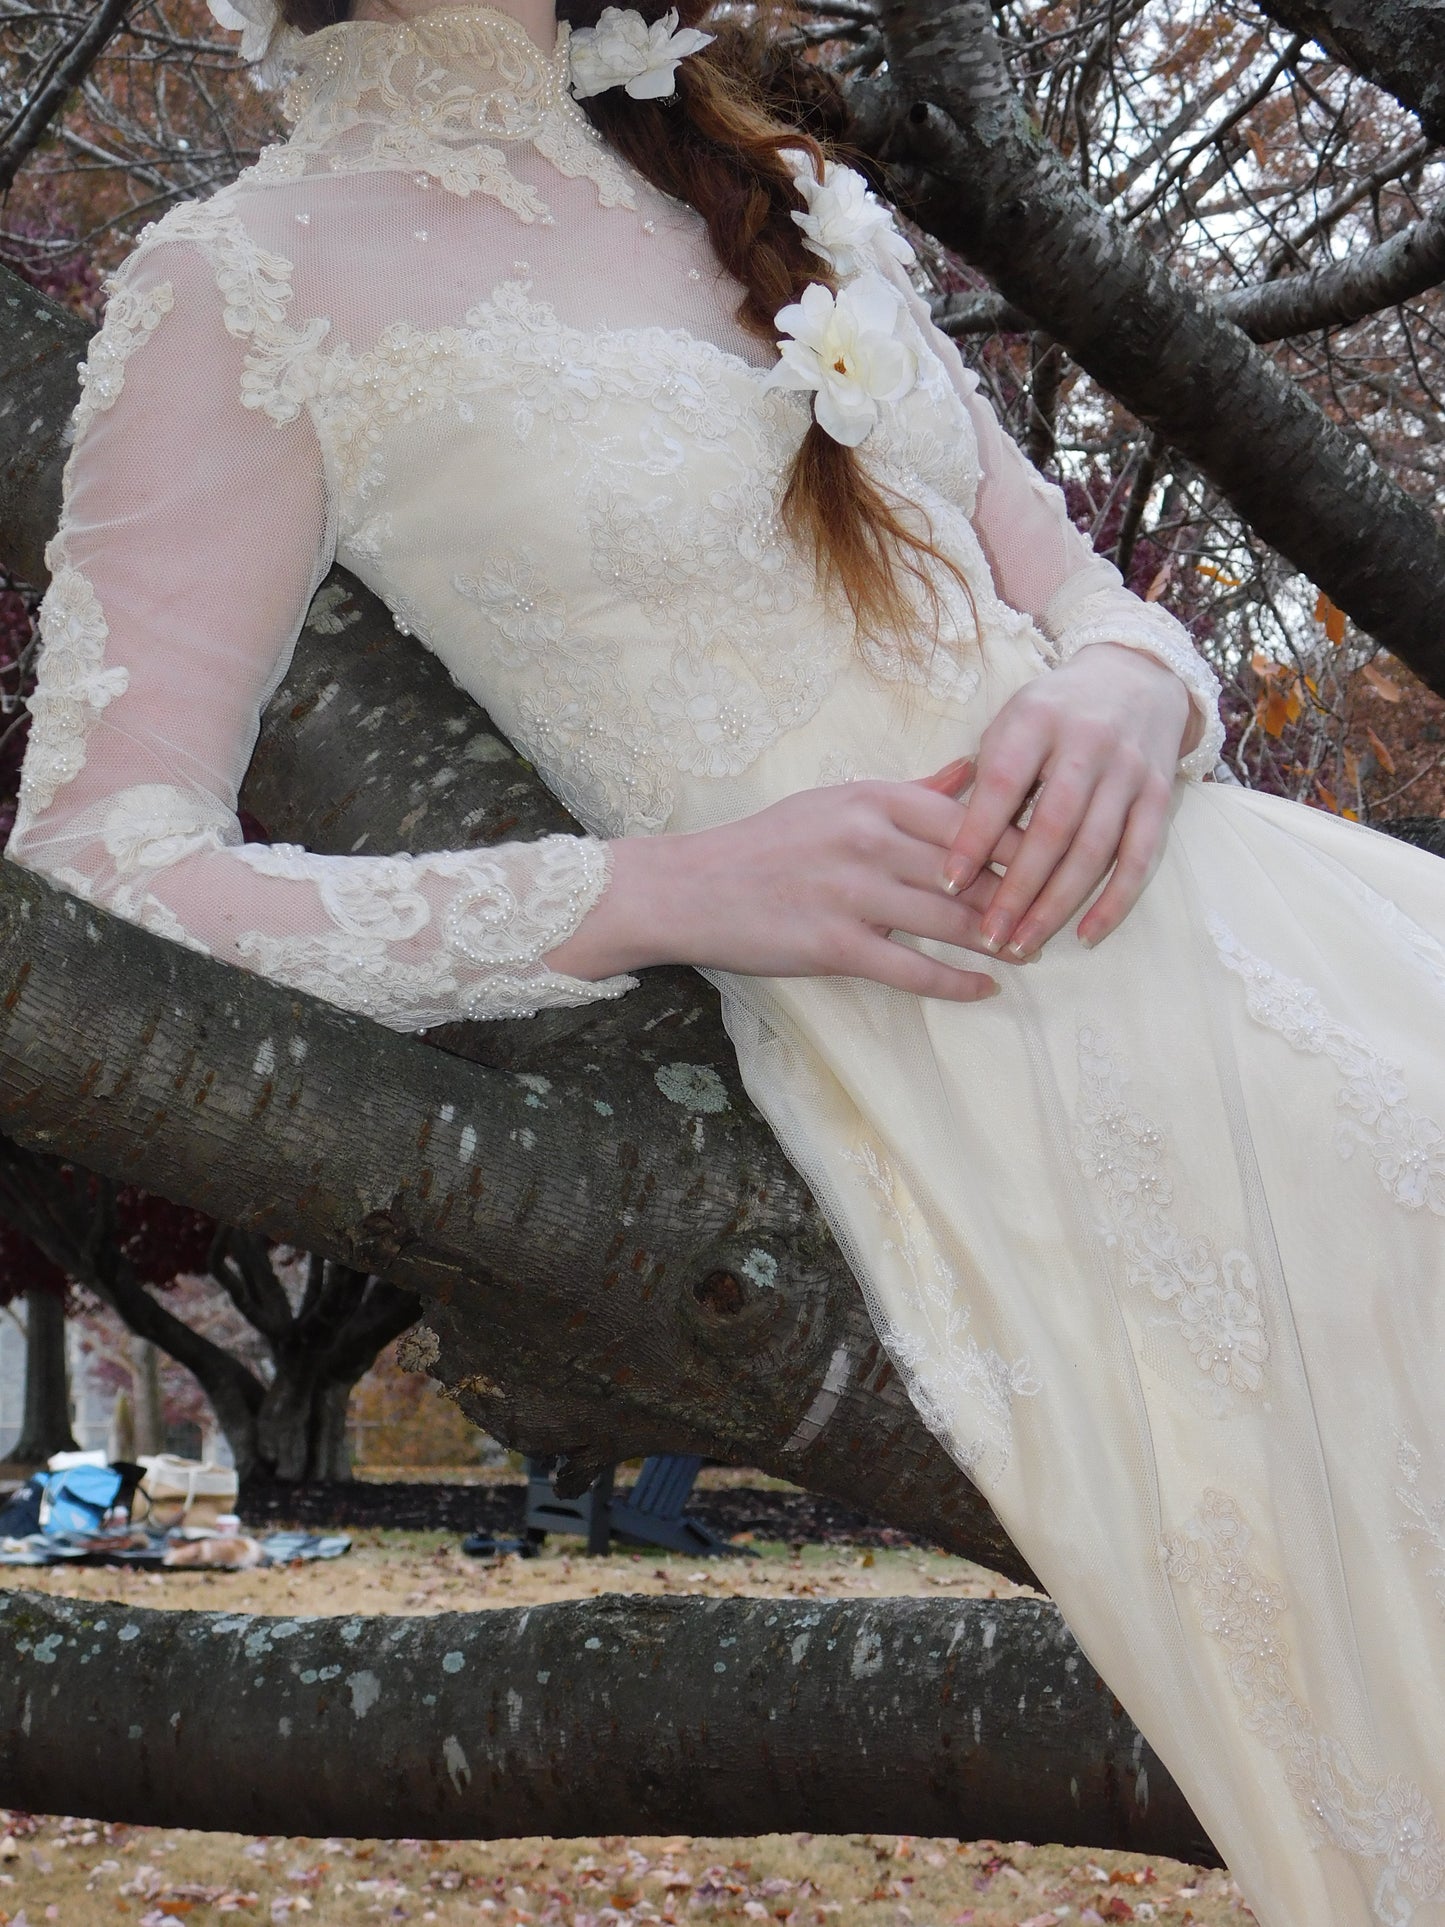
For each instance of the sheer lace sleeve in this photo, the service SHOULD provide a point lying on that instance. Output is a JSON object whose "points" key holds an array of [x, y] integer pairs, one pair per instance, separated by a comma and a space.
{"points": [[195, 530], [1045, 568]]}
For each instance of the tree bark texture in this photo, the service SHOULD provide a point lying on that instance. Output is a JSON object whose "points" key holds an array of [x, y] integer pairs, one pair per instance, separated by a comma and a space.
{"points": [[621, 1714], [1398, 269], [1398, 44], [590, 1279], [995, 190], [45, 1427]]}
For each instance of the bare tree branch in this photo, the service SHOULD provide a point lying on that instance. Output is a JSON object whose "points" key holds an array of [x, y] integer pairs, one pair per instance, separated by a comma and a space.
{"points": [[69, 62], [1005, 200], [1398, 44]]}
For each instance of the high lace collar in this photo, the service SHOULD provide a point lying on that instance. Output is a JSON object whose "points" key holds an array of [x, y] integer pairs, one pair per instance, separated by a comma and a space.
{"points": [[468, 70], [434, 93]]}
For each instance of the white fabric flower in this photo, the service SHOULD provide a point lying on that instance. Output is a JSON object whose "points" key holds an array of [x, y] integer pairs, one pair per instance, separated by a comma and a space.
{"points": [[255, 21], [623, 50], [845, 222], [847, 349]]}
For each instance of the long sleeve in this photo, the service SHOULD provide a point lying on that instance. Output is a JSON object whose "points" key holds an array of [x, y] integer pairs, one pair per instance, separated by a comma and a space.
{"points": [[196, 528], [1044, 567]]}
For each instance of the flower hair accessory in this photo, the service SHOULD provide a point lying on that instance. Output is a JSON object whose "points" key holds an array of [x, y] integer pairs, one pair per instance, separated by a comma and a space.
{"points": [[844, 223], [624, 50], [259, 24], [846, 348]]}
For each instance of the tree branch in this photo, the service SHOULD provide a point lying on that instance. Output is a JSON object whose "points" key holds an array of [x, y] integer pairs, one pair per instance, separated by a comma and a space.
{"points": [[1397, 44], [588, 1279], [628, 1714], [67, 66], [1006, 200]]}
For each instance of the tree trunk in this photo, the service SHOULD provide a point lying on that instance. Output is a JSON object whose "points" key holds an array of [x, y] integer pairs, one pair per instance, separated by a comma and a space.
{"points": [[148, 1409], [46, 1424], [624, 1714], [301, 1427]]}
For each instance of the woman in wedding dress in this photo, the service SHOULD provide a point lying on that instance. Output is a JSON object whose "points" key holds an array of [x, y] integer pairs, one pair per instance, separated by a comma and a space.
{"points": [[624, 402]]}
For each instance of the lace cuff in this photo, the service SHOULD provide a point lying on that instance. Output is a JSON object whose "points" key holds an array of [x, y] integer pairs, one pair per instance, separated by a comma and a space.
{"points": [[1072, 621]]}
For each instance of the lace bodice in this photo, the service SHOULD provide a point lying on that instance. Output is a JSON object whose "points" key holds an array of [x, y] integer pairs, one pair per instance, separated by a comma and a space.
{"points": [[443, 334]]}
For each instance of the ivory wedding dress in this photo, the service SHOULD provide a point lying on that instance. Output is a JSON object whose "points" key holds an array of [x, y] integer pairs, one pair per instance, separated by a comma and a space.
{"points": [[1157, 1236]]}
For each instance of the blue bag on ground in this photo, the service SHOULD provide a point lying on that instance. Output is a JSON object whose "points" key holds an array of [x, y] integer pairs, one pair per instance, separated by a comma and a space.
{"points": [[76, 1500]]}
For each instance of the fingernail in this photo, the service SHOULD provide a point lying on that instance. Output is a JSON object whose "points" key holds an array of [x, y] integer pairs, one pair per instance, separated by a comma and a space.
{"points": [[956, 879], [992, 991], [1088, 942], [951, 884], [1019, 954], [992, 939]]}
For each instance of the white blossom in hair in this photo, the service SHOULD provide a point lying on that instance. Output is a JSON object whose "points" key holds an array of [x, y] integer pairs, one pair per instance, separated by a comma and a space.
{"points": [[844, 222], [256, 21], [846, 348], [623, 50]]}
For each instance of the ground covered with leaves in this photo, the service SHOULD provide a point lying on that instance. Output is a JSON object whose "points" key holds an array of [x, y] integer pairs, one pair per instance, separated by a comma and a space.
{"points": [[77, 1873]]}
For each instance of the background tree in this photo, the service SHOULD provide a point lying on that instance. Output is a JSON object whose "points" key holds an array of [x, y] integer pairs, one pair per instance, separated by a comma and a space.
{"points": [[283, 1420], [29, 1280]]}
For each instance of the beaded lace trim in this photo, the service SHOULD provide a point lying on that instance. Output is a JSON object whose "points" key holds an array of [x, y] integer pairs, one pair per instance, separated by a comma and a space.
{"points": [[433, 94]]}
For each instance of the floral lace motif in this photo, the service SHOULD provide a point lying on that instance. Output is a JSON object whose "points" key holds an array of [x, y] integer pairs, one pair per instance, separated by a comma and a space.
{"points": [[495, 929], [1425, 1528], [947, 1372], [74, 685], [1379, 1818], [279, 373], [1213, 1296], [430, 94], [1106, 615], [1406, 1147]]}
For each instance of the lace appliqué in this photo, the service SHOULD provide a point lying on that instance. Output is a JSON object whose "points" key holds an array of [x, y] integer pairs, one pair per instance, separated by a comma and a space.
{"points": [[1213, 1296], [1115, 615], [1406, 1147], [547, 373], [950, 1377], [496, 929], [1380, 1818], [1424, 1530], [280, 373], [74, 686], [431, 95]]}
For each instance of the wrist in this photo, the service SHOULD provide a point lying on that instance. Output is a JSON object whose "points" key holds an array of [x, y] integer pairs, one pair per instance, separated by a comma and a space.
{"points": [[638, 920], [1140, 655]]}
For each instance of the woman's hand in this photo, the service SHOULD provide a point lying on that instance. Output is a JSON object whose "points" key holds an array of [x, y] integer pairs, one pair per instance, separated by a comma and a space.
{"points": [[810, 887], [1103, 734]]}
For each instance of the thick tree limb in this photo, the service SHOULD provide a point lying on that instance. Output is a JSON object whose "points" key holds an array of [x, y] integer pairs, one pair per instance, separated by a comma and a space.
{"points": [[1407, 264], [588, 1279], [623, 1714], [1005, 199], [1397, 44]]}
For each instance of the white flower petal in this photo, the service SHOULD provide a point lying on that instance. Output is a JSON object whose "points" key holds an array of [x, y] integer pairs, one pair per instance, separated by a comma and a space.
{"points": [[625, 50], [850, 426], [871, 304]]}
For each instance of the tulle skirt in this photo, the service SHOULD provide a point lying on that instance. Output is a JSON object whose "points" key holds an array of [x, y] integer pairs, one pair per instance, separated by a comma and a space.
{"points": [[1157, 1240]]}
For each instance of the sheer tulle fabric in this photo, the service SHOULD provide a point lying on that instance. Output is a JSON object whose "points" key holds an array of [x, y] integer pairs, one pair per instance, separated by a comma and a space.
{"points": [[1155, 1238]]}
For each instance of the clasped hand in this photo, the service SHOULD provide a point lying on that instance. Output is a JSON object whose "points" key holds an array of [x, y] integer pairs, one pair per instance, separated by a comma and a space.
{"points": [[820, 883]]}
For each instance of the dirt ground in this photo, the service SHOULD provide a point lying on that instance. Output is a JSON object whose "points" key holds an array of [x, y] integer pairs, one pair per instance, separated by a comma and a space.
{"points": [[78, 1873]]}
